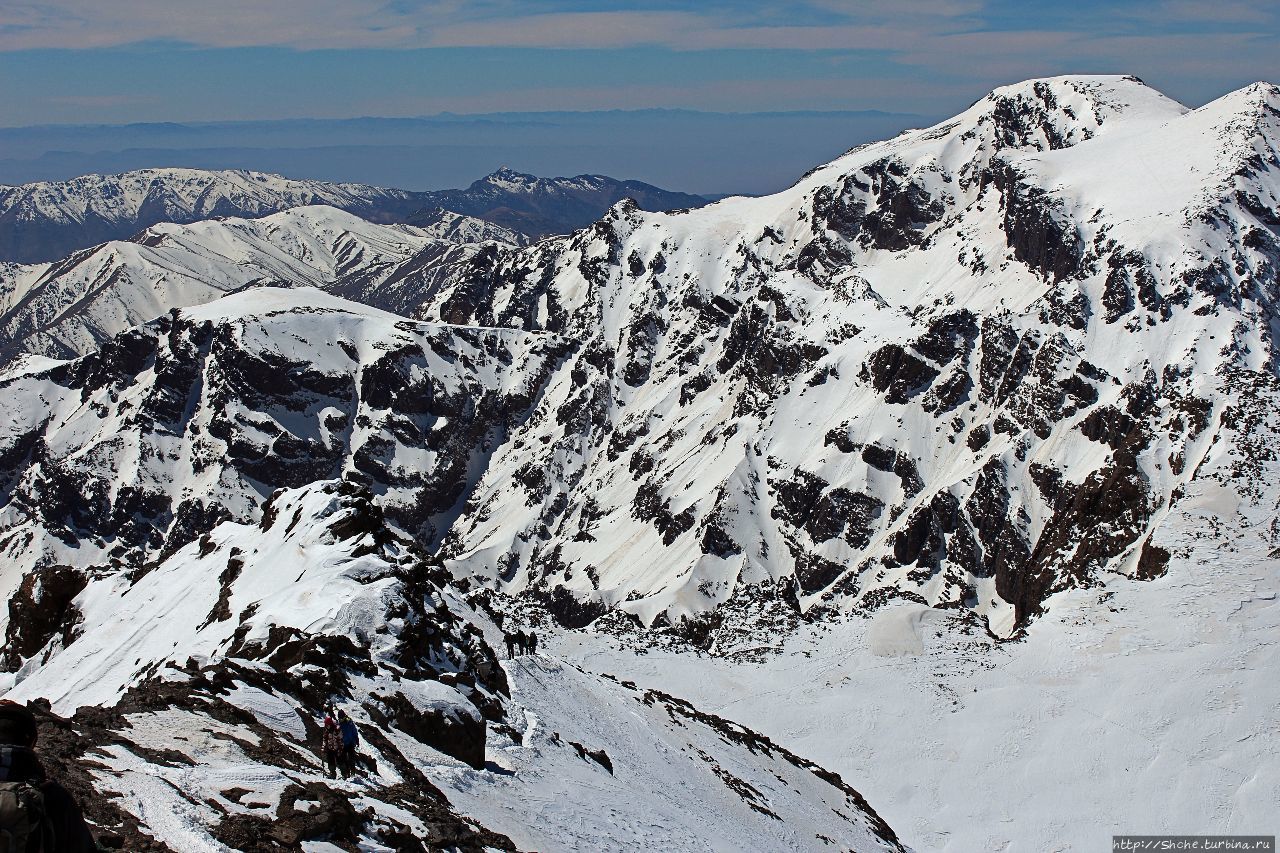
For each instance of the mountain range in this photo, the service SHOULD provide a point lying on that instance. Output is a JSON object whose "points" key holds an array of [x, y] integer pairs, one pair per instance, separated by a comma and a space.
{"points": [[993, 397], [45, 221]]}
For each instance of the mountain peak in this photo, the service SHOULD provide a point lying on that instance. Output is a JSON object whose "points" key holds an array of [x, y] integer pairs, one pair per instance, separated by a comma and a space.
{"points": [[1058, 112], [506, 178], [508, 172]]}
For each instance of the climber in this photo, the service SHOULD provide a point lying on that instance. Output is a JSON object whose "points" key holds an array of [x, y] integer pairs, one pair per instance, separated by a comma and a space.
{"points": [[533, 642], [481, 657], [523, 639], [511, 644], [350, 741], [331, 743], [36, 814]]}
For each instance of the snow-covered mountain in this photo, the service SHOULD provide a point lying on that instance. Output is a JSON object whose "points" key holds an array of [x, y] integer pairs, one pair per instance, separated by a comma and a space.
{"points": [[539, 207], [69, 307], [986, 373], [970, 366], [46, 221]]}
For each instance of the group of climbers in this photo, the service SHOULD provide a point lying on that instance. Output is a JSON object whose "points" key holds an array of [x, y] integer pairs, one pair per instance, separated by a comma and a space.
{"points": [[339, 741], [521, 642]]}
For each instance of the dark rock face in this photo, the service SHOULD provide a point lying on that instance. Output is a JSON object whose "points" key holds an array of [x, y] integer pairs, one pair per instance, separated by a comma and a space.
{"points": [[1093, 522], [1038, 233], [453, 734], [569, 611], [260, 421], [879, 206], [810, 504], [330, 817], [898, 374], [937, 363], [40, 611]]}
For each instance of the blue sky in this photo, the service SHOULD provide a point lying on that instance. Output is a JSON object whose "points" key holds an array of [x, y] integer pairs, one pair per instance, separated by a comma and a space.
{"points": [[116, 61]]}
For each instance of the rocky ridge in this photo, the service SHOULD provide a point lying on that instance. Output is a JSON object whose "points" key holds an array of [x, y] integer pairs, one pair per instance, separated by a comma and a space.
{"points": [[192, 691]]}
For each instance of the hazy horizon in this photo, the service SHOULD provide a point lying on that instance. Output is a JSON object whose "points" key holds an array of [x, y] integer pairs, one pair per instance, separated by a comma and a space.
{"points": [[673, 148]]}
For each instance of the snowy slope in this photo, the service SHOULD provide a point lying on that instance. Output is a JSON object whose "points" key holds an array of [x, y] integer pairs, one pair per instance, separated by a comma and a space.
{"points": [[226, 651], [1148, 704], [460, 228], [68, 308], [657, 774]]}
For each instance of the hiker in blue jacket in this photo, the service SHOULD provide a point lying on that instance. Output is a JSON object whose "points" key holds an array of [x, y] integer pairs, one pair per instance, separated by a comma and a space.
{"points": [[350, 741]]}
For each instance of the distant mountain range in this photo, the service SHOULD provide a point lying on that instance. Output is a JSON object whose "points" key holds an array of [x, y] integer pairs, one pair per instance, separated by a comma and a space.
{"points": [[540, 207], [45, 221]]}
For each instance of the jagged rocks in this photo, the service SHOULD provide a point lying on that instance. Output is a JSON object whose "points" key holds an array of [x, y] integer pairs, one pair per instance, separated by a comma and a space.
{"points": [[880, 206], [898, 374], [1037, 229], [328, 816], [446, 729], [42, 610]]}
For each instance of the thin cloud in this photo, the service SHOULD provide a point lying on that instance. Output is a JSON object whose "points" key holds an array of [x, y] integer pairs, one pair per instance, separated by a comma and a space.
{"points": [[1218, 12], [80, 24], [317, 24], [921, 51], [912, 28]]}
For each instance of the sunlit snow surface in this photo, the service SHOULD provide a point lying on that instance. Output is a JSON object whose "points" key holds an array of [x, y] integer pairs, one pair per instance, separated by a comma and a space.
{"points": [[1141, 708]]}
